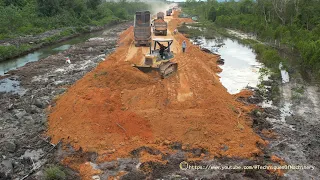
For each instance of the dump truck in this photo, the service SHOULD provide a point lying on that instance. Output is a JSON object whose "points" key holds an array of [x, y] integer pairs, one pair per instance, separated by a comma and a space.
{"points": [[160, 27], [160, 15], [168, 12], [142, 28]]}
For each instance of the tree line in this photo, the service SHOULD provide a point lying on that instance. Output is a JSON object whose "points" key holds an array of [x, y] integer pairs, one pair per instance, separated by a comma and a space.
{"points": [[27, 17], [290, 24]]}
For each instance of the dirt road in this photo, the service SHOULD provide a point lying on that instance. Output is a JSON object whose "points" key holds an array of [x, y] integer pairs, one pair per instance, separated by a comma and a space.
{"points": [[118, 111], [134, 50]]}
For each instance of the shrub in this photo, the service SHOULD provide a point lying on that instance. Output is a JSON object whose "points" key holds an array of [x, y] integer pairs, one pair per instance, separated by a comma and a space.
{"points": [[54, 173]]}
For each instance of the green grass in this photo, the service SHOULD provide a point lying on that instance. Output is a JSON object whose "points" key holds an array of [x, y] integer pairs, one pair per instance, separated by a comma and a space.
{"points": [[65, 33], [55, 173]]}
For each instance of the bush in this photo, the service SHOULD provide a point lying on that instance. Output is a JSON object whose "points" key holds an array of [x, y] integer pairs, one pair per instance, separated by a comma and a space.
{"points": [[67, 32], [11, 51], [54, 173], [269, 56]]}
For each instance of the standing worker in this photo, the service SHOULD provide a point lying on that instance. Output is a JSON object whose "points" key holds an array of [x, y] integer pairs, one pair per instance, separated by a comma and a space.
{"points": [[184, 46]]}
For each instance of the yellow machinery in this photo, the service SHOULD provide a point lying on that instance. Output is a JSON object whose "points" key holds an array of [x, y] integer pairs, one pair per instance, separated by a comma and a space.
{"points": [[159, 60]]}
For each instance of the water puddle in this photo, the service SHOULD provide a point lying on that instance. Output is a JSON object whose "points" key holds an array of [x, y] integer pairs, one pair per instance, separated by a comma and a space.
{"points": [[284, 74], [9, 85], [240, 69]]}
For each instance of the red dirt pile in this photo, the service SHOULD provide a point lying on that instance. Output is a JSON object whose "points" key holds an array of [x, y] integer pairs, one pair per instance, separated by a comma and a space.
{"points": [[116, 108]]}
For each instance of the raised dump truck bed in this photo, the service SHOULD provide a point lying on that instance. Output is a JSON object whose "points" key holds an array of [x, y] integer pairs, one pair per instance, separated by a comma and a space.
{"points": [[160, 27], [142, 28]]}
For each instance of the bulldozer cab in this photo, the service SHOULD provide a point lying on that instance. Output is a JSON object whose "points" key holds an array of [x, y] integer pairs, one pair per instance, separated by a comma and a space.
{"points": [[155, 49], [154, 61]]}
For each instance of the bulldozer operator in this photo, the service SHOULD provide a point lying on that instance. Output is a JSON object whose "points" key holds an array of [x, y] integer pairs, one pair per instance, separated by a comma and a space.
{"points": [[162, 49]]}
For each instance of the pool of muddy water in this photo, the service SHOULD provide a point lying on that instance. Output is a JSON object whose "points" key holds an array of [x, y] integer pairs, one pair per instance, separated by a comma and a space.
{"points": [[11, 85], [240, 69]]}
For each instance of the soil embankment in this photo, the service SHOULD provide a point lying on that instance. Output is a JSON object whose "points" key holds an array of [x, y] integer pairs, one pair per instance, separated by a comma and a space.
{"points": [[118, 111], [23, 116]]}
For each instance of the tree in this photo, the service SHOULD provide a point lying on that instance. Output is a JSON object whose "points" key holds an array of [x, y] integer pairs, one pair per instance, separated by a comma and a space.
{"points": [[17, 3], [103, 11], [93, 4], [212, 15], [79, 7], [246, 7], [121, 13], [10, 19], [48, 7]]}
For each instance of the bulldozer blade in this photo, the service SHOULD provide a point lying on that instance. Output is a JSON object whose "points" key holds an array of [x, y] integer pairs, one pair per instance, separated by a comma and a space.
{"points": [[145, 69], [167, 69]]}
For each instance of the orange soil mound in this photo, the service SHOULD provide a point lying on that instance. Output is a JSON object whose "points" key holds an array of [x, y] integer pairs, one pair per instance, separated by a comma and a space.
{"points": [[244, 93], [275, 158], [116, 108]]}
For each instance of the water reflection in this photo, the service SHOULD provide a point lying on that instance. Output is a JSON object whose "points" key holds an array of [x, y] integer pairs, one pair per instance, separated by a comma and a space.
{"points": [[241, 67], [10, 85], [6, 66]]}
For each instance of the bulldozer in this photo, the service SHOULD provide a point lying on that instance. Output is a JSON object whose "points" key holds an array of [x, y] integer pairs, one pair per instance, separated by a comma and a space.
{"points": [[157, 60]]}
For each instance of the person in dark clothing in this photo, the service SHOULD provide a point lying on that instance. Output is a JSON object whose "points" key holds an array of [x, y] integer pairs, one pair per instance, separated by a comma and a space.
{"points": [[162, 48]]}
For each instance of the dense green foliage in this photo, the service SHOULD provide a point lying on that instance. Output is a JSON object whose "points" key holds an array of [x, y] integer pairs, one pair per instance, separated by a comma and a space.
{"points": [[292, 25], [10, 51], [24, 17]]}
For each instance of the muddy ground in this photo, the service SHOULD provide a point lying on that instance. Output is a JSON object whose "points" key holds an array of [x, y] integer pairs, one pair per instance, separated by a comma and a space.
{"points": [[23, 110], [295, 120]]}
